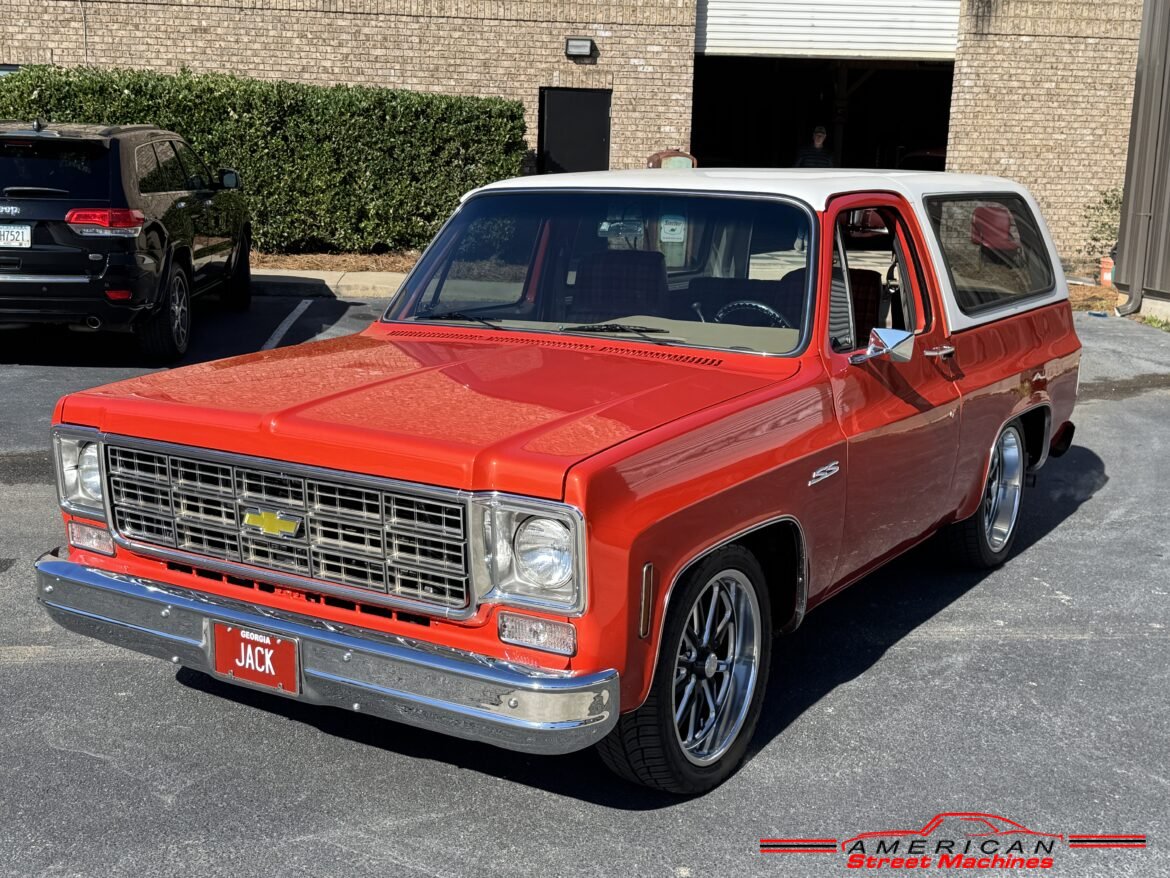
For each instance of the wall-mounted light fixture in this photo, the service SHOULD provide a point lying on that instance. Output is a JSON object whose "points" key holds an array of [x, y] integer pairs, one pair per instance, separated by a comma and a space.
{"points": [[579, 47]]}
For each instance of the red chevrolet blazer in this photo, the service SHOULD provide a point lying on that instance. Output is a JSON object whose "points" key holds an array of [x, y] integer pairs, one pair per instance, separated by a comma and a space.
{"points": [[614, 433]]}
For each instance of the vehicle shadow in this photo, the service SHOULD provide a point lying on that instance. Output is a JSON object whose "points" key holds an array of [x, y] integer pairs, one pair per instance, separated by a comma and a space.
{"points": [[837, 643], [216, 333]]}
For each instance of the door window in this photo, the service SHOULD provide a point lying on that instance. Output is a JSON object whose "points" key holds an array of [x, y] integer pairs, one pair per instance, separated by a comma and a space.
{"points": [[198, 176], [876, 280], [170, 172], [146, 169]]}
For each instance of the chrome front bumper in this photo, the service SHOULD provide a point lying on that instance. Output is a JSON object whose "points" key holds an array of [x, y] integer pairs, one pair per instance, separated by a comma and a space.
{"points": [[446, 690]]}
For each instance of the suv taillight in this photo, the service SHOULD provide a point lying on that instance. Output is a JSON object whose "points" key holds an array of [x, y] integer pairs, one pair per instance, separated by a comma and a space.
{"points": [[105, 222]]}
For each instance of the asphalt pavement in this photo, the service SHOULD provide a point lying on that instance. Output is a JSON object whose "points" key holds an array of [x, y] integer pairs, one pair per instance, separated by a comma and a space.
{"points": [[1038, 692]]}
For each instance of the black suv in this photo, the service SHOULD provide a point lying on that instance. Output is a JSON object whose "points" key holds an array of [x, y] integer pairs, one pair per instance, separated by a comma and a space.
{"points": [[116, 228]]}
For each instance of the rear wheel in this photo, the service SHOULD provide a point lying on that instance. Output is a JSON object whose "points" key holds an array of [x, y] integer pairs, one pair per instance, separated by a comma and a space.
{"points": [[694, 728], [237, 292], [166, 334], [985, 539]]}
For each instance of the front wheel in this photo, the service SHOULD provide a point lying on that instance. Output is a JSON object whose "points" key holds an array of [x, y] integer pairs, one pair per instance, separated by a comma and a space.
{"points": [[985, 539], [694, 728]]}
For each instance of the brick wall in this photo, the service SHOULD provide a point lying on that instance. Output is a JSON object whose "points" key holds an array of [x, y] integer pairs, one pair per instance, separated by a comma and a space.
{"points": [[1043, 93], [507, 48]]}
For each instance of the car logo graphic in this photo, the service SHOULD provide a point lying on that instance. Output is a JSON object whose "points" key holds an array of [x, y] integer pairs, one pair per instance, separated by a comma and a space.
{"points": [[9, 210], [274, 524]]}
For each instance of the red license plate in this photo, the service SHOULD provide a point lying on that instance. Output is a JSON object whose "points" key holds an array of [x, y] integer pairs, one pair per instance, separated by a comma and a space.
{"points": [[256, 657]]}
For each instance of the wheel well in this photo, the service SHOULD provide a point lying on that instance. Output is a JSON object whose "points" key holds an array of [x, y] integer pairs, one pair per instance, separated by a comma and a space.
{"points": [[182, 256], [1037, 426], [779, 547]]}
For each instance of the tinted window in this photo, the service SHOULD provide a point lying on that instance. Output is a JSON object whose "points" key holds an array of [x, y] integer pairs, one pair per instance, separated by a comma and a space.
{"points": [[198, 177], [79, 169], [146, 169], [688, 270], [170, 171], [993, 249]]}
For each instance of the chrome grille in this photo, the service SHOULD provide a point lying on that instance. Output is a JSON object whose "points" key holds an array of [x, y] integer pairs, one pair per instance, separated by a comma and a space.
{"points": [[394, 542]]}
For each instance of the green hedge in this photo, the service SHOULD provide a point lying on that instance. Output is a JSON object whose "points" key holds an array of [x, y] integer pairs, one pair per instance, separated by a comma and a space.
{"points": [[324, 168]]}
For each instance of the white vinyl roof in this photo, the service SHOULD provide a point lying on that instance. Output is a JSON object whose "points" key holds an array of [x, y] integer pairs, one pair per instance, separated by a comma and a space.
{"points": [[815, 186]]}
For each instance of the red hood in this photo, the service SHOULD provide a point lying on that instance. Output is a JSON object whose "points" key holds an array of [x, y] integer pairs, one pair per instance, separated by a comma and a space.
{"points": [[447, 407]]}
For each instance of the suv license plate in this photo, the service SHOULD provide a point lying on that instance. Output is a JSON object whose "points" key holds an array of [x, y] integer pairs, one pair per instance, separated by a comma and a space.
{"points": [[256, 658], [15, 236]]}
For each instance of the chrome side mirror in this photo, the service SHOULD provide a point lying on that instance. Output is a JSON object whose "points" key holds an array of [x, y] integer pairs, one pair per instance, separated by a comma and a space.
{"points": [[897, 344]]}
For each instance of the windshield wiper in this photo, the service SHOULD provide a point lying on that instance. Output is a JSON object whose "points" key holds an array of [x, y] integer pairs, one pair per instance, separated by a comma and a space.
{"points": [[9, 191], [457, 315], [642, 331]]}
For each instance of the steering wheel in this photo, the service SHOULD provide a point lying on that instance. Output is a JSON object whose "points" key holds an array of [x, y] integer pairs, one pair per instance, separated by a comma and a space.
{"points": [[775, 317]]}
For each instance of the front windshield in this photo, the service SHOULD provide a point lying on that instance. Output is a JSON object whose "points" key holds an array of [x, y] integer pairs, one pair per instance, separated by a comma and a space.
{"points": [[651, 267]]}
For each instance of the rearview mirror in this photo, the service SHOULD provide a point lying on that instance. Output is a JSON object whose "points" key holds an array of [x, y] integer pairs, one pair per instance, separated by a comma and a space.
{"points": [[897, 344], [229, 179]]}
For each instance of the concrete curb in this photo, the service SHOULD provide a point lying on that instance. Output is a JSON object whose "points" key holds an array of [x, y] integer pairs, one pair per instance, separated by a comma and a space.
{"points": [[326, 284]]}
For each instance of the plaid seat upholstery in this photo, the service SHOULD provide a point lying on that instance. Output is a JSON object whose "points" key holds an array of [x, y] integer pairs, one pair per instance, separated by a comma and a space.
{"points": [[863, 303], [613, 284], [866, 289]]}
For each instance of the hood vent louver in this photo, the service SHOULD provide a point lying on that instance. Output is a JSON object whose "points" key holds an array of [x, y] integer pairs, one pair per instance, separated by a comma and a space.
{"points": [[660, 355]]}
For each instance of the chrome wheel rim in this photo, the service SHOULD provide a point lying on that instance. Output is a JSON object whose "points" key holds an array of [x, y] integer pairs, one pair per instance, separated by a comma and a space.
{"points": [[1001, 496], [716, 667], [180, 308]]}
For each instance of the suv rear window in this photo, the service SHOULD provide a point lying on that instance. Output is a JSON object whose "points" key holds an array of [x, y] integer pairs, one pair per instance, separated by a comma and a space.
{"points": [[80, 169], [993, 249]]}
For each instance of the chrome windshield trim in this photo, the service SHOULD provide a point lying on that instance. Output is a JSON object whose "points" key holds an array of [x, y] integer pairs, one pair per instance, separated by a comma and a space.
{"points": [[814, 240]]}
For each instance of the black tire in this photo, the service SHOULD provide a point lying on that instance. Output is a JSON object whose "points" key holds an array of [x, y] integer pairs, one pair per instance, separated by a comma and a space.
{"points": [[647, 747], [166, 334], [237, 291], [984, 540]]}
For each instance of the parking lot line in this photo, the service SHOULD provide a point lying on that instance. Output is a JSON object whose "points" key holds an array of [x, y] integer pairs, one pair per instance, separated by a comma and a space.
{"points": [[286, 325]]}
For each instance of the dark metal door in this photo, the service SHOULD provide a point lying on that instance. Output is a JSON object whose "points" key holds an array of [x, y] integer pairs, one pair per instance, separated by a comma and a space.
{"points": [[574, 130]]}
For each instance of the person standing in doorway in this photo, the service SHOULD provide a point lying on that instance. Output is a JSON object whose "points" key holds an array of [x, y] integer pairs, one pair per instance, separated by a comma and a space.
{"points": [[815, 156]]}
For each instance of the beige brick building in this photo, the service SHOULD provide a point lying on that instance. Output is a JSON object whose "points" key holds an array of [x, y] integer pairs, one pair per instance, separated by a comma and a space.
{"points": [[1043, 91], [1039, 90], [505, 48]]}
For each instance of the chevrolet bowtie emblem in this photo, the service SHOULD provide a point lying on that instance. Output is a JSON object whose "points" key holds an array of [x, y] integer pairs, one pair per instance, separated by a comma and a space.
{"points": [[273, 524]]}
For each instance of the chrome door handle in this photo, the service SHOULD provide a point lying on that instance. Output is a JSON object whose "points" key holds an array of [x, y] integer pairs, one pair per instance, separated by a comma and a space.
{"points": [[942, 351]]}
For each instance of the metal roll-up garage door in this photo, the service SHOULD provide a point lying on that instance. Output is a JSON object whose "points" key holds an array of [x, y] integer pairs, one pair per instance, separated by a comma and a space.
{"points": [[911, 29]]}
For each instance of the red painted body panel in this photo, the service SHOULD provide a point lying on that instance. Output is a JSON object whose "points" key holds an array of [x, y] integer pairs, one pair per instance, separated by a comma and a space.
{"points": [[668, 452], [1005, 368], [900, 421], [667, 498], [462, 409]]}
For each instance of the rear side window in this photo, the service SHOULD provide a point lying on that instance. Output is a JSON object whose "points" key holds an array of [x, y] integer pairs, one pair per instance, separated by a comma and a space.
{"points": [[146, 169], [54, 169], [993, 249]]}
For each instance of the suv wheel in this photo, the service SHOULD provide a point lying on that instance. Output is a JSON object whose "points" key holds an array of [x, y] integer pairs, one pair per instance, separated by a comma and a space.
{"points": [[703, 707], [237, 292], [985, 539], [166, 335]]}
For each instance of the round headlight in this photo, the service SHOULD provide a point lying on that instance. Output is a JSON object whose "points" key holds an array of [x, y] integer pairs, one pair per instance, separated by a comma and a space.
{"points": [[544, 552], [88, 473]]}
